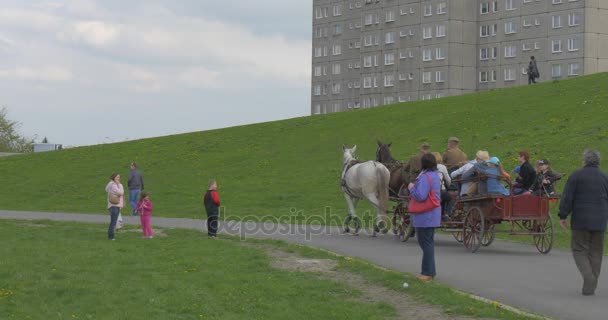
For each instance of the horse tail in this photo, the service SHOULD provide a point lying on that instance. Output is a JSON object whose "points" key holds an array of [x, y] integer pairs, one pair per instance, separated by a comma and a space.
{"points": [[383, 185]]}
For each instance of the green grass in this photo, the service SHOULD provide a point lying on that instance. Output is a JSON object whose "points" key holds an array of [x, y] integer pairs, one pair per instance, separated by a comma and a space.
{"points": [[270, 170], [57, 270]]}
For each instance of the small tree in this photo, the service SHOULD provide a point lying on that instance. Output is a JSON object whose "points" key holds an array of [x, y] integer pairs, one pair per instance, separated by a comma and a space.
{"points": [[10, 139], [45, 140]]}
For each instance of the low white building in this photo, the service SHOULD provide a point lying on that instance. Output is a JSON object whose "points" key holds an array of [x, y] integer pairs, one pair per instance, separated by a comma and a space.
{"points": [[43, 147]]}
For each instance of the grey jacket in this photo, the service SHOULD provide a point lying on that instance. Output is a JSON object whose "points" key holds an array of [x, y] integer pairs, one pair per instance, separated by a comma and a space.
{"points": [[136, 180], [585, 196]]}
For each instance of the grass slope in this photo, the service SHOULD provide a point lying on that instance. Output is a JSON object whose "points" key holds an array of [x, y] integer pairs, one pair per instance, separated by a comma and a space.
{"points": [[59, 270], [273, 169]]}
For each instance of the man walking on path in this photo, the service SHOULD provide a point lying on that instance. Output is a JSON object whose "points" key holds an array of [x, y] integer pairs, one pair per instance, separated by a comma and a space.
{"points": [[454, 158], [532, 71], [586, 197], [136, 184]]}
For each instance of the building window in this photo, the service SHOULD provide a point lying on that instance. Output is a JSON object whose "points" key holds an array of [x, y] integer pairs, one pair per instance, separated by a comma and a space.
{"points": [[440, 76], [428, 10], [509, 75], [389, 80], [536, 21], [368, 40], [494, 52], [556, 46], [574, 44], [367, 82], [390, 37], [335, 68], [316, 90], [536, 46], [510, 27], [427, 55], [510, 5], [440, 32], [494, 6], [510, 51], [338, 29], [404, 98], [389, 100], [369, 19], [484, 31], [483, 53], [402, 55], [556, 70], [527, 22], [390, 16], [557, 22], [441, 8], [493, 75], [484, 8], [526, 47], [389, 59], [317, 71], [336, 88], [337, 10], [318, 52], [574, 19], [426, 77], [483, 77], [573, 69], [439, 53], [316, 109], [427, 32], [367, 61], [337, 50], [557, 1]]}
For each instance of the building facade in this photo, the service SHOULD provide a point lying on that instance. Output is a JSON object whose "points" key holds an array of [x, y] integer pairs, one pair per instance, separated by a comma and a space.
{"points": [[368, 53]]}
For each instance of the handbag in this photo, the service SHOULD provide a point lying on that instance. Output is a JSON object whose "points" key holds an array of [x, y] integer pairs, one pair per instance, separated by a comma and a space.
{"points": [[429, 204], [113, 198]]}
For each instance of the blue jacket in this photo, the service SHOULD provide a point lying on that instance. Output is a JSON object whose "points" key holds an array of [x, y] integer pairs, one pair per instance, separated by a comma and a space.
{"points": [[420, 191], [586, 197], [494, 185]]}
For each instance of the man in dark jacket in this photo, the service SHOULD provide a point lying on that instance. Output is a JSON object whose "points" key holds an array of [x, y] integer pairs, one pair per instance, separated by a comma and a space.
{"points": [[453, 157], [586, 197], [526, 176], [532, 71], [414, 166], [136, 184]]}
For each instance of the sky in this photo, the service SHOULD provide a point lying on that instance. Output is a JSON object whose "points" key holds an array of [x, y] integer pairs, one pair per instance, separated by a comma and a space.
{"points": [[83, 72]]}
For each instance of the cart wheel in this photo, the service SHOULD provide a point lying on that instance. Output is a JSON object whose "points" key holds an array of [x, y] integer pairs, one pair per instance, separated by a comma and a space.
{"points": [[473, 229], [402, 223], [544, 242], [457, 235], [489, 235]]}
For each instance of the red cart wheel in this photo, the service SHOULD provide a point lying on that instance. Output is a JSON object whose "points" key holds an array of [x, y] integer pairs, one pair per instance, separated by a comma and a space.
{"points": [[544, 242], [473, 229], [402, 224], [489, 235]]}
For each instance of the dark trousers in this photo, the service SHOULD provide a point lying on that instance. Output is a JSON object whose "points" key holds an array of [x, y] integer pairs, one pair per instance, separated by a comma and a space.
{"points": [[114, 211], [588, 250], [531, 79], [446, 203], [212, 225], [427, 244]]}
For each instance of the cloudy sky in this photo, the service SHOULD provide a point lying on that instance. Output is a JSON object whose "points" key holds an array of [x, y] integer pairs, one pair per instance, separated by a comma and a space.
{"points": [[85, 72]]}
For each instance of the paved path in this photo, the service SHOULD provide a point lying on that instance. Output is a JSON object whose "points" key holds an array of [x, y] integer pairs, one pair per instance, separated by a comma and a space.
{"points": [[507, 272]]}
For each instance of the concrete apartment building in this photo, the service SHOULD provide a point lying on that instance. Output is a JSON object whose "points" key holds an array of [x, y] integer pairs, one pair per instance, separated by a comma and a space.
{"points": [[368, 53]]}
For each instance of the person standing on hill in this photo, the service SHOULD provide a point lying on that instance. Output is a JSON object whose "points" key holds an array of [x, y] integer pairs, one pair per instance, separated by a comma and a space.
{"points": [[413, 167], [585, 196], [136, 185], [116, 200], [211, 200], [532, 71], [454, 158], [144, 207]]}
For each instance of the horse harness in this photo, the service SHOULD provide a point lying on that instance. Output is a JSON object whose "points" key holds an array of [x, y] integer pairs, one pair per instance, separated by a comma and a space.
{"points": [[345, 169]]}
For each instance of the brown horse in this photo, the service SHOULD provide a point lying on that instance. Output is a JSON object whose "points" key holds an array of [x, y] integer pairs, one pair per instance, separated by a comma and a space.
{"points": [[395, 167]]}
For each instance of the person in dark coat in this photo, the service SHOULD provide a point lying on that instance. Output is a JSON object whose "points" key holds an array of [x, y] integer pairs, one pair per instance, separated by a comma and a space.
{"points": [[533, 73], [585, 197], [211, 200], [526, 176]]}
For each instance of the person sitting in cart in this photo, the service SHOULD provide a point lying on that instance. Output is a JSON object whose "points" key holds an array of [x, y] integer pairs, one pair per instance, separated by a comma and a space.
{"points": [[544, 185], [478, 186], [526, 176], [466, 186], [494, 176]]}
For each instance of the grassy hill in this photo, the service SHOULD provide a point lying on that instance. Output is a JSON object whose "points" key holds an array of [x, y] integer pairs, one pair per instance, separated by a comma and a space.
{"points": [[272, 169]]}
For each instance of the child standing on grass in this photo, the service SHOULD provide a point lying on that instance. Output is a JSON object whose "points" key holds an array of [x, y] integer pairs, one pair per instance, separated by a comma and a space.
{"points": [[144, 208], [211, 200]]}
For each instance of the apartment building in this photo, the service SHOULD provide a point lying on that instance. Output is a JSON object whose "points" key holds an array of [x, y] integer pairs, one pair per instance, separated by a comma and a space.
{"points": [[368, 53]]}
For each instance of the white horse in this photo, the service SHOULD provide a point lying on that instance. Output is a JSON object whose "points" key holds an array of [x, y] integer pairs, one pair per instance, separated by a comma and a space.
{"points": [[364, 180]]}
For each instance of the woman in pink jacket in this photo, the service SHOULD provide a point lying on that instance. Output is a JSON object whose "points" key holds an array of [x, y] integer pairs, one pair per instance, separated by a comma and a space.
{"points": [[144, 208], [116, 200]]}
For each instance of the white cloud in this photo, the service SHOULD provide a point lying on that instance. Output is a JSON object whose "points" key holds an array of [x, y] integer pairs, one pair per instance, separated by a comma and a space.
{"points": [[95, 33], [48, 73]]}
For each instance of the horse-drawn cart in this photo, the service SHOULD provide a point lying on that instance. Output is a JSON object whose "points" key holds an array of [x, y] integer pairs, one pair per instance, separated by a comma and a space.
{"points": [[474, 220]]}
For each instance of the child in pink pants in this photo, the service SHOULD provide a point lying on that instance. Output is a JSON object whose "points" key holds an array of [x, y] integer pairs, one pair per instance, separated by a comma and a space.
{"points": [[144, 208]]}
